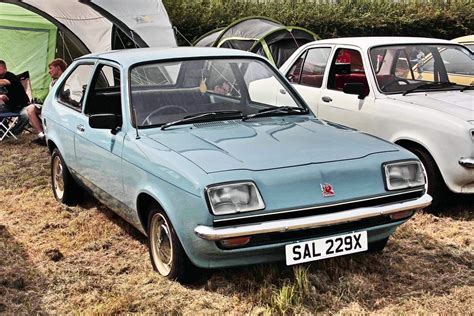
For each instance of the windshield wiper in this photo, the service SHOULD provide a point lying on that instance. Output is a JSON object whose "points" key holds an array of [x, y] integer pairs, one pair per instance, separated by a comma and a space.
{"points": [[281, 109], [197, 116], [431, 85]]}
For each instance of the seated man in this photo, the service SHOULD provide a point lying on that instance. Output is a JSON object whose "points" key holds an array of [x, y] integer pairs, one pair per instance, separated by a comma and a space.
{"points": [[56, 68], [13, 97]]}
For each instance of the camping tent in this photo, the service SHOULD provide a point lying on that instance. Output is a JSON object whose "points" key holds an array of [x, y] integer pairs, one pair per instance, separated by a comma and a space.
{"points": [[83, 26], [208, 39], [260, 35], [27, 43], [94, 24]]}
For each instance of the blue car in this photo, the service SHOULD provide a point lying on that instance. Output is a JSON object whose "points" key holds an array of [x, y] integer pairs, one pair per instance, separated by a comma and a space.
{"points": [[216, 158]]}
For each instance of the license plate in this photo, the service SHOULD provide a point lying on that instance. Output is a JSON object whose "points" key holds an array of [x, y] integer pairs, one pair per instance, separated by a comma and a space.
{"points": [[326, 248]]}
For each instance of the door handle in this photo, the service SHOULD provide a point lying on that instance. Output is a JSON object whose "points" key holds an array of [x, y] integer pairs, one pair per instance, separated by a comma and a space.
{"points": [[326, 99], [80, 128]]}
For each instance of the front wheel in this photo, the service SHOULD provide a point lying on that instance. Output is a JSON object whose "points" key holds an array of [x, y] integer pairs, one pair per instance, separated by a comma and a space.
{"points": [[65, 189], [166, 253], [435, 183]]}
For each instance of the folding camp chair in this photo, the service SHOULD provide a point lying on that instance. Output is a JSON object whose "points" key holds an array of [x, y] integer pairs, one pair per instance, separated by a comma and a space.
{"points": [[8, 121], [22, 122], [12, 123]]}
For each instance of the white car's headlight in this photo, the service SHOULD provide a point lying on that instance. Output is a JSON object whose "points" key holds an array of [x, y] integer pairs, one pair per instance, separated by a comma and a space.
{"points": [[405, 174], [232, 198]]}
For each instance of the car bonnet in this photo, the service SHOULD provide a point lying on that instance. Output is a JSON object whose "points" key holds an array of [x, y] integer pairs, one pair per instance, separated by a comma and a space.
{"points": [[456, 103], [267, 143]]}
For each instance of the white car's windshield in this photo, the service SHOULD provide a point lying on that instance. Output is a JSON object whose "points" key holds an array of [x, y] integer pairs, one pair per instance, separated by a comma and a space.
{"points": [[207, 89], [402, 68]]}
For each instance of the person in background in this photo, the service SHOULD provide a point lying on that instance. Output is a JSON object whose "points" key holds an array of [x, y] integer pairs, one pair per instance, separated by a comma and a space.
{"points": [[13, 97], [56, 69]]}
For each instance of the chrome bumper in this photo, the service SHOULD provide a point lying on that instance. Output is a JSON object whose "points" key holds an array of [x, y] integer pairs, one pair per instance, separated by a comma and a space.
{"points": [[467, 162], [315, 221]]}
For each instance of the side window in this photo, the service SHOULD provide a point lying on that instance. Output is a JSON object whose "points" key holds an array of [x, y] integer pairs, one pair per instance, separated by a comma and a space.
{"points": [[104, 95], [73, 89], [314, 67], [347, 67], [295, 71], [457, 62]]}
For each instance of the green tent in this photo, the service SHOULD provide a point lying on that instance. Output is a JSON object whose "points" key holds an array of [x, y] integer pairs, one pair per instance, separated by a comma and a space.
{"points": [[27, 43]]}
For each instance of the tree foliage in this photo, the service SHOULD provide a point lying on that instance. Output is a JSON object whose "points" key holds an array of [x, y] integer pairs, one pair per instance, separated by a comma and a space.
{"points": [[440, 19]]}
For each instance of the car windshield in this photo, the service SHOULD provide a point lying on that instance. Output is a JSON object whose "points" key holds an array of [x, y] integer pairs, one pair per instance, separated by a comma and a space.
{"points": [[178, 92], [409, 68]]}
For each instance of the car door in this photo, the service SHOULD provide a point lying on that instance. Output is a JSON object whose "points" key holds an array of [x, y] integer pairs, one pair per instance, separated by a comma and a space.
{"points": [[68, 104], [100, 150], [307, 74], [347, 67]]}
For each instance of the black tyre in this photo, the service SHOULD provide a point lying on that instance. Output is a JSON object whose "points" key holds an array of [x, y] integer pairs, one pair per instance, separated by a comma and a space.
{"points": [[378, 246], [166, 252], [435, 182], [65, 189]]}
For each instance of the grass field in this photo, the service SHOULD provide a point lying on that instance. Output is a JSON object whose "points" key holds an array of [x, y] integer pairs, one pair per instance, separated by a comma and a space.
{"points": [[57, 259]]}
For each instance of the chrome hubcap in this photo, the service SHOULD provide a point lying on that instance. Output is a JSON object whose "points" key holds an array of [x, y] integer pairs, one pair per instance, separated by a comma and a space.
{"points": [[58, 181], [161, 244]]}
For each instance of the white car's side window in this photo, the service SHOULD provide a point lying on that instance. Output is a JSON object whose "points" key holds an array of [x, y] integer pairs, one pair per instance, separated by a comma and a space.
{"points": [[347, 67], [309, 68], [72, 91]]}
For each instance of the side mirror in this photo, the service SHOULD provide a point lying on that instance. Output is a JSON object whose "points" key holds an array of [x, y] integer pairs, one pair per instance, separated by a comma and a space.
{"points": [[105, 121], [355, 88]]}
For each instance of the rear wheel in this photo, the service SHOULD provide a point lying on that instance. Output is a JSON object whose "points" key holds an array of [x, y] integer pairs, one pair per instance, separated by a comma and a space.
{"points": [[65, 189], [435, 183], [167, 255]]}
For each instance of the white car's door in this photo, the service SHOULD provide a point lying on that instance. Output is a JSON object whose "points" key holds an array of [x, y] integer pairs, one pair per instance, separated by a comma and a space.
{"points": [[346, 68], [307, 74]]}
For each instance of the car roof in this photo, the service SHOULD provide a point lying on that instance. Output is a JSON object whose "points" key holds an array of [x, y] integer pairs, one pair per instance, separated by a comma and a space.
{"points": [[138, 55], [464, 39], [371, 41]]}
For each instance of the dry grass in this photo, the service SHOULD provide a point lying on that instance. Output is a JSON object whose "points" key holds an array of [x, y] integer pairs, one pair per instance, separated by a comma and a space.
{"points": [[56, 259]]}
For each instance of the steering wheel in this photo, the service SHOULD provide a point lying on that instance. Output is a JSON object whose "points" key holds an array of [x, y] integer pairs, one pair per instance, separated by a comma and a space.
{"points": [[393, 81], [180, 109]]}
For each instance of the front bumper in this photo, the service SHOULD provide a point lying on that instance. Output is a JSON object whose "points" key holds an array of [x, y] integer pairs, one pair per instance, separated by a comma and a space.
{"points": [[315, 221]]}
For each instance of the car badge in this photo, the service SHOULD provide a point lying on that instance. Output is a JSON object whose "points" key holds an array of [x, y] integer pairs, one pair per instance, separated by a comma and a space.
{"points": [[327, 190]]}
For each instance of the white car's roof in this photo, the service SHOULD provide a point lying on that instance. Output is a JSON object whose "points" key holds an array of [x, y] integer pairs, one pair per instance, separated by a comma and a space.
{"points": [[128, 57], [371, 41]]}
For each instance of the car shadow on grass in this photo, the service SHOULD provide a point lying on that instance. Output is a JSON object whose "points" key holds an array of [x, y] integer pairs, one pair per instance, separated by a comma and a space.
{"points": [[21, 286], [456, 206], [89, 202]]}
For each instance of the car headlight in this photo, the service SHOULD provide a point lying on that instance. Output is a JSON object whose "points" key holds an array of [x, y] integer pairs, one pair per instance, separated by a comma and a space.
{"points": [[232, 198], [402, 175]]}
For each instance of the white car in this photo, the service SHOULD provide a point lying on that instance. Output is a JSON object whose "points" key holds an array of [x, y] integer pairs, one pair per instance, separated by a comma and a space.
{"points": [[410, 91]]}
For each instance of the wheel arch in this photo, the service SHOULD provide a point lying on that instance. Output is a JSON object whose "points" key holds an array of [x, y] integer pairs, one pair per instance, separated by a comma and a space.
{"points": [[145, 203], [408, 143], [51, 146]]}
